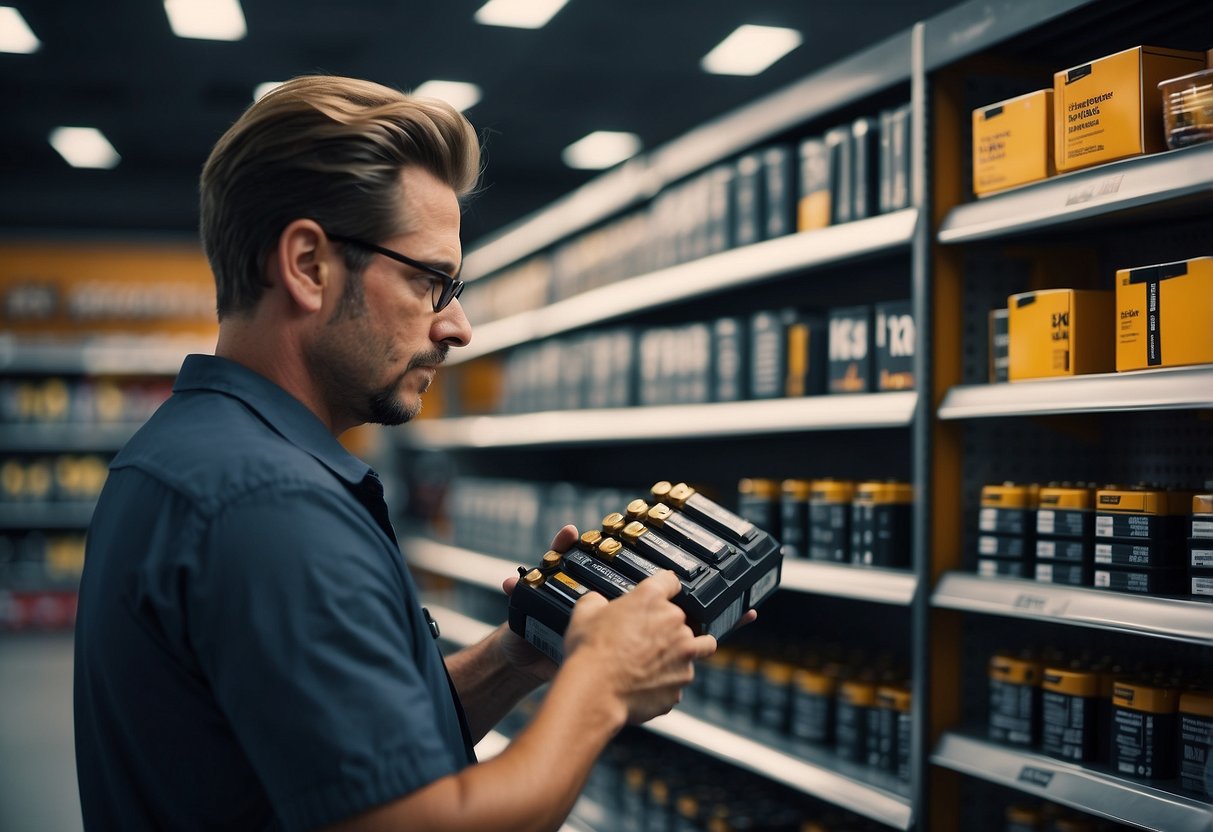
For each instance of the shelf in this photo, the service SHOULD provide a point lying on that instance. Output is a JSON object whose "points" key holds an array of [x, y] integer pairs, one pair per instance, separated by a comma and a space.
{"points": [[1085, 195], [65, 515], [1088, 790], [102, 355], [462, 565], [821, 774], [456, 628], [1171, 618], [863, 583], [1173, 388], [667, 422], [66, 437], [732, 269]]}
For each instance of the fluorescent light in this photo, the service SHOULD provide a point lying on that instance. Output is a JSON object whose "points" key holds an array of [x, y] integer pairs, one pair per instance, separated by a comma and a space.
{"points": [[206, 19], [84, 147], [520, 14], [750, 50], [264, 87], [15, 33], [459, 94], [601, 149]]}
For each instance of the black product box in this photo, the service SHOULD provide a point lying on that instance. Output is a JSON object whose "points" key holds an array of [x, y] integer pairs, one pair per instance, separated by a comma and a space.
{"points": [[1070, 574], [720, 208], [779, 192], [850, 368], [1139, 526], [730, 360], [1145, 581], [895, 159], [748, 221], [1000, 546], [813, 209], [1000, 345], [693, 360], [865, 168], [1141, 554], [894, 336], [806, 356], [768, 352], [1060, 522], [880, 534], [1069, 551], [839, 153], [1003, 568]]}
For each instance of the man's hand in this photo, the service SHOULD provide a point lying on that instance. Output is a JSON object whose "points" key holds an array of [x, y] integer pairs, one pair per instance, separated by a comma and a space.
{"points": [[516, 651]]}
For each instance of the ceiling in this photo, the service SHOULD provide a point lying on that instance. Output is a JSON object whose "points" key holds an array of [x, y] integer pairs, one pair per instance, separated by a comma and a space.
{"points": [[162, 101]]}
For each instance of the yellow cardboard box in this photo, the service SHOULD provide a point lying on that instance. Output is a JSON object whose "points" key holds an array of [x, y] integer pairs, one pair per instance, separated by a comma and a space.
{"points": [[1013, 142], [1165, 315], [1061, 332], [1110, 108]]}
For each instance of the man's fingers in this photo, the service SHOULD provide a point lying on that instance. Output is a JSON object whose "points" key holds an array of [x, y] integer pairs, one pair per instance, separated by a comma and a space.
{"points": [[703, 646], [565, 538], [508, 584], [664, 582]]}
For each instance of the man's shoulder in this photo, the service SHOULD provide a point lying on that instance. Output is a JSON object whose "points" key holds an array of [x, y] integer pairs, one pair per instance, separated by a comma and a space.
{"points": [[209, 443]]}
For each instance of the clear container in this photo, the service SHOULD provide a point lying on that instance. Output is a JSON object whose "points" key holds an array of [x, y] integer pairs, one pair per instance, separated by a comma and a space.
{"points": [[1187, 106]]}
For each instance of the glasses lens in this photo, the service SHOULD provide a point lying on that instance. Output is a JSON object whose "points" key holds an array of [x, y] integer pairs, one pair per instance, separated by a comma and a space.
{"points": [[437, 290]]}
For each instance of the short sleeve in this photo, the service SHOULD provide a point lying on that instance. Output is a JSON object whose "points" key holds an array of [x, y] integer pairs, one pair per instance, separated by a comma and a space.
{"points": [[302, 624]]}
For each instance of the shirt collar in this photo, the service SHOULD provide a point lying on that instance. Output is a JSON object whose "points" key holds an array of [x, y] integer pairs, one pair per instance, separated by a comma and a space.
{"points": [[285, 414]]}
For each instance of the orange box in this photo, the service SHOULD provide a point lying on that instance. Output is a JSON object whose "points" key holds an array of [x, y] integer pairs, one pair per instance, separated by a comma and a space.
{"points": [[1061, 332], [1110, 108], [1164, 315], [1013, 142]]}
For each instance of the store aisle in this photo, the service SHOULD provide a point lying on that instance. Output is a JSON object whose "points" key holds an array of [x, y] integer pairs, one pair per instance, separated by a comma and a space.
{"points": [[37, 762]]}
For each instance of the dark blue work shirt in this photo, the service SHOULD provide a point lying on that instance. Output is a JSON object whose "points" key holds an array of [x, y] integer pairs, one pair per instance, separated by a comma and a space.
{"points": [[250, 652]]}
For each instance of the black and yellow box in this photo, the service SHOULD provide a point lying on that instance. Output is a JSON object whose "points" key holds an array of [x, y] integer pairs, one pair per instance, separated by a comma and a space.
{"points": [[1164, 315], [1060, 332], [1007, 508], [880, 523], [1014, 715], [830, 519], [895, 337], [1141, 513], [1013, 142], [1068, 703], [1110, 108], [1144, 721], [1066, 511], [850, 350]]}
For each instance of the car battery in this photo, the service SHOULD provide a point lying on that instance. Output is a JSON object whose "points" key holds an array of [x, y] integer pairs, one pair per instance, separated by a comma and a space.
{"points": [[1138, 540], [775, 695], [1067, 574], [758, 502], [1140, 581], [1006, 525], [1014, 715], [1200, 548], [747, 686], [1144, 723], [856, 698], [724, 570], [1141, 513], [889, 727], [1196, 742], [811, 716], [881, 516], [1068, 705], [1065, 511], [794, 517], [830, 520]]}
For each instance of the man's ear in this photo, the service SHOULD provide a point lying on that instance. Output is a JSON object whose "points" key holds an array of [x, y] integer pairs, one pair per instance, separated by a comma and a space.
{"points": [[305, 266]]}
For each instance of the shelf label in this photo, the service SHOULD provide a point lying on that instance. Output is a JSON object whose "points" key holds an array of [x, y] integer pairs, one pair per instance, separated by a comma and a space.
{"points": [[1032, 776], [1029, 602], [1099, 188]]}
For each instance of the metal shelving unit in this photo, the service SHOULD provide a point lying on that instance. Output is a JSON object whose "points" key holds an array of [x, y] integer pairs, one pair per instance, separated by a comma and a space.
{"points": [[1174, 619], [1088, 790], [1095, 193], [64, 515], [112, 355], [731, 269], [1172, 388], [667, 422], [65, 437]]}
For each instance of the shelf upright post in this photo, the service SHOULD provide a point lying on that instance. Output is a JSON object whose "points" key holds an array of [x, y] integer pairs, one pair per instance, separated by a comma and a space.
{"points": [[937, 449]]}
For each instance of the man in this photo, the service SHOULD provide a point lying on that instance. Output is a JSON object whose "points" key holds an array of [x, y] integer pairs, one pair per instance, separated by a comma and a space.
{"points": [[250, 650]]}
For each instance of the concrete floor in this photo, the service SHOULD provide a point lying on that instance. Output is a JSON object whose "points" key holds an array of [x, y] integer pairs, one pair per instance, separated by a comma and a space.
{"points": [[37, 760]]}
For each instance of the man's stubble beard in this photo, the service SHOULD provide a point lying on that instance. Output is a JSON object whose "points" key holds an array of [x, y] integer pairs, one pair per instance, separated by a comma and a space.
{"points": [[385, 407]]}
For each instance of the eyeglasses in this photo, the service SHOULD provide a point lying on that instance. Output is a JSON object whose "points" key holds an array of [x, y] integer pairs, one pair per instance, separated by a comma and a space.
{"points": [[446, 288]]}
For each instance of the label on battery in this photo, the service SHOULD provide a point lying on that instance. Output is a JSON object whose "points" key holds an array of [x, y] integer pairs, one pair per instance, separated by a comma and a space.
{"points": [[1202, 585], [699, 541], [1063, 523], [1201, 558], [717, 517], [1137, 526], [763, 586], [1064, 550], [727, 620], [1202, 528], [545, 639], [597, 574], [1003, 546], [664, 553]]}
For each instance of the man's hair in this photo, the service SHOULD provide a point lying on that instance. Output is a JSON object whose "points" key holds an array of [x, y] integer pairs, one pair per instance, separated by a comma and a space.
{"points": [[329, 149]]}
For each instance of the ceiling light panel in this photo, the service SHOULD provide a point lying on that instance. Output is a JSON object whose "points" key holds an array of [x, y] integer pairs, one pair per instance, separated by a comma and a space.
{"points": [[206, 19], [84, 147], [15, 33], [601, 149], [459, 94], [750, 49], [519, 14]]}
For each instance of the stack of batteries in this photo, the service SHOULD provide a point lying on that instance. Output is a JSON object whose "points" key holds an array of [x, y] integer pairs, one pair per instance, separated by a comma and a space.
{"points": [[1139, 539], [1007, 530], [1065, 524], [726, 565]]}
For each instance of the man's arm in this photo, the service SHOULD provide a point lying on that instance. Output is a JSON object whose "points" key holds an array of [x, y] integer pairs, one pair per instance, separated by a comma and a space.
{"points": [[627, 661]]}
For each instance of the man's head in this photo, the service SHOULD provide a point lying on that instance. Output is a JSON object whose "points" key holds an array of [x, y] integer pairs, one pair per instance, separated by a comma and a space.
{"points": [[330, 149]]}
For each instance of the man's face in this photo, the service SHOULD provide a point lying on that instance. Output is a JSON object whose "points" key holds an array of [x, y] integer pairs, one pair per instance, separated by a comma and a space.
{"points": [[381, 346]]}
